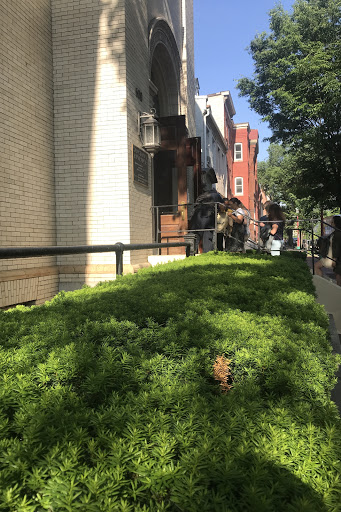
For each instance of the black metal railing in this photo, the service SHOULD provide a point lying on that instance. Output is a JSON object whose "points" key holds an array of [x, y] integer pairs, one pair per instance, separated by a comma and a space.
{"points": [[118, 248], [253, 242], [178, 210]]}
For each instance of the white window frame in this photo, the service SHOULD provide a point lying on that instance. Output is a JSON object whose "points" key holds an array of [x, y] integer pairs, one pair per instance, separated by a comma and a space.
{"points": [[238, 153], [240, 184]]}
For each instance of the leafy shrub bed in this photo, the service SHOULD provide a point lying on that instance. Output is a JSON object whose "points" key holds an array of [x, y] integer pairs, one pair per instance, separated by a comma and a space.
{"points": [[109, 403]]}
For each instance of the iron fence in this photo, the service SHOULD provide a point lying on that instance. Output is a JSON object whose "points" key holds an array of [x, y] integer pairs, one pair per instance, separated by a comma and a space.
{"points": [[178, 210], [119, 248]]}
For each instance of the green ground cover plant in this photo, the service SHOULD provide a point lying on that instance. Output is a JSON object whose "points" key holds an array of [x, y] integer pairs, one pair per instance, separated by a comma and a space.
{"points": [[109, 402]]}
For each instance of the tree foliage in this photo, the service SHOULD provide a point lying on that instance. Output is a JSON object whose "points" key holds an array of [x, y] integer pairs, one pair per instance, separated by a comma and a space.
{"points": [[272, 173], [277, 176], [296, 88]]}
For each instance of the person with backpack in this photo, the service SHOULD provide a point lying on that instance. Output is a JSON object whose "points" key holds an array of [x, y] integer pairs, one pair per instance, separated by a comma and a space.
{"points": [[224, 224], [265, 225], [202, 220]]}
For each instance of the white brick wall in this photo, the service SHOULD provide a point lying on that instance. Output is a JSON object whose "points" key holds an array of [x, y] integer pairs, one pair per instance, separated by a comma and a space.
{"points": [[27, 209], [91, 142], [68, 124]]}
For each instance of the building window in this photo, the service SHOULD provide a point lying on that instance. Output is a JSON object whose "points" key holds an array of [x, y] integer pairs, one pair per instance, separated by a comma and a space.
{"points": [[238, 186], [238, 152]]}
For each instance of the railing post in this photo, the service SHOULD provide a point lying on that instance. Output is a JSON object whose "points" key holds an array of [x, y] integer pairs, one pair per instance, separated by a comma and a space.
{"points": [[119, 259], [157, 224], [258, 236], [188, 250], [158, 238], [215, 227]]}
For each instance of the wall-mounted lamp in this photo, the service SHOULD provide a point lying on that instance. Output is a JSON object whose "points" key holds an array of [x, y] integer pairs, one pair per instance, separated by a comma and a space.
{"points": [[149, 131]]}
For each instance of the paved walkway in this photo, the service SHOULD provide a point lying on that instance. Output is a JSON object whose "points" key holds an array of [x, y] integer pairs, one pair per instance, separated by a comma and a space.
{"points": [[328, 294], [336, 344]]}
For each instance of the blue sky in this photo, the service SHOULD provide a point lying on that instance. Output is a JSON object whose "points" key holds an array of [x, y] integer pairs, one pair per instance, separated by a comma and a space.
{"points": [[222, 31]]}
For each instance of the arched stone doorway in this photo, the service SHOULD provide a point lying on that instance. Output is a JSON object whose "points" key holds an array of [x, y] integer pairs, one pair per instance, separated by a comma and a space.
{"points": [[164, 69], [172, 165]]}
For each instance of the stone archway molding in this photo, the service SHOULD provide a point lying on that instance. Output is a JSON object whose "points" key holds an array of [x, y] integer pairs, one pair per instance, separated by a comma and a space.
{"points": [[161, 33]]}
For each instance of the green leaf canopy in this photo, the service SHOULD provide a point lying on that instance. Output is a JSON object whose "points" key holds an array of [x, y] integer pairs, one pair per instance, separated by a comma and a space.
{"points": [[296, 88]]}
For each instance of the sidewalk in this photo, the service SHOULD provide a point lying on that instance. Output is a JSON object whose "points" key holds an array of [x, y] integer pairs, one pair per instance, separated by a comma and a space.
{"points": [[329, 295]]}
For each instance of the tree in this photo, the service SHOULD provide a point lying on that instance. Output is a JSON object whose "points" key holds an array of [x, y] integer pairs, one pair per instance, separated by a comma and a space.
{"points": [[272, 173], [296, 88], [277, 175]]}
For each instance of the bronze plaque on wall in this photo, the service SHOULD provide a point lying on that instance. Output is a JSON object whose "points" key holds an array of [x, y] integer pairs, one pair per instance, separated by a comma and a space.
{"points": [[140, 166]]}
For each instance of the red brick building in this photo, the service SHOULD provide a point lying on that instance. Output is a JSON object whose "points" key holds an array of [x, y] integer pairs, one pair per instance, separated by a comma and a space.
{"points": [[243, 178]]}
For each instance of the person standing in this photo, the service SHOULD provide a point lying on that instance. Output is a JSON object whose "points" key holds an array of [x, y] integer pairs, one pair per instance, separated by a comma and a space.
{"points": [[203, 218], [264, 224], [236, 241], [277, 218], [224, 224]]}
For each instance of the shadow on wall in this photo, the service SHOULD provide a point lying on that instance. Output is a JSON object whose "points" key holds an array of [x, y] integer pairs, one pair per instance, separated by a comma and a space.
{"points": [[90, 113]]}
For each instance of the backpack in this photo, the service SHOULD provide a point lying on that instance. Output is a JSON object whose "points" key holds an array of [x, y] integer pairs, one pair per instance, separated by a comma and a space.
{"points": [[264, 231], [246, 224], [222, 222]]}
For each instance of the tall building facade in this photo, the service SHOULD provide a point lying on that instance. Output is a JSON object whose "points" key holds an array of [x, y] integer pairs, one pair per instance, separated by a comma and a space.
{"points": [[223, 110], [244, 175], [241, 146], [75, 77], [213, 143]]}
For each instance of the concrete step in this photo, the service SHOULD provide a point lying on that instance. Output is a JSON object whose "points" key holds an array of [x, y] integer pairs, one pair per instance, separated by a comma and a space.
{"points": [[156, 259]]}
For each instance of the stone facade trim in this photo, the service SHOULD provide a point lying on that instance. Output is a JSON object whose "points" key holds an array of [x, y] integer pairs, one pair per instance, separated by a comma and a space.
{"points": [[161, 33]]}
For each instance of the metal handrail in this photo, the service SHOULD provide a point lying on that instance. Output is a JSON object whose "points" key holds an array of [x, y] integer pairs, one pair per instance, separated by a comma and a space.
{"points": [[257, 244], [118, 248], [173, 232]]}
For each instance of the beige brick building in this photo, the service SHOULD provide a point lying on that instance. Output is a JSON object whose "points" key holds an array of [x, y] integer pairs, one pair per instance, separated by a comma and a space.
{"points": [[74, 74]]}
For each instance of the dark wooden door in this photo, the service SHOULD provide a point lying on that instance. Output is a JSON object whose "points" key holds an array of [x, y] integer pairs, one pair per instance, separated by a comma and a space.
{"points": [[170, 177]]}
